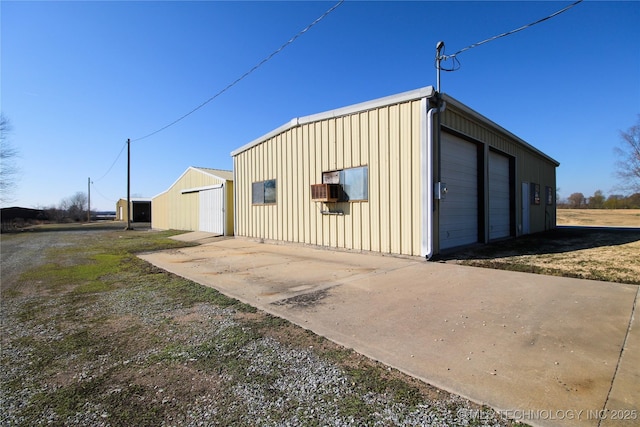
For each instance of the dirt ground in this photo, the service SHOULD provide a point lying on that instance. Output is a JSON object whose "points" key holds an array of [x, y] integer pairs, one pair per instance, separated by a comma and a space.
{"points": [[599, 217]]}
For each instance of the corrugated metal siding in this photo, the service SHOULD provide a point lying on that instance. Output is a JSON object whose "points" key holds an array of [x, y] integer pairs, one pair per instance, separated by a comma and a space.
{"points": [[121, 210], [386, 139], [530, 165], [180, 211]]}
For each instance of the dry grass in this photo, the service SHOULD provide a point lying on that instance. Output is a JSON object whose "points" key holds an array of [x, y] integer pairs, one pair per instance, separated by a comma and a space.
{"points": [[588, 244], [599, 217]]}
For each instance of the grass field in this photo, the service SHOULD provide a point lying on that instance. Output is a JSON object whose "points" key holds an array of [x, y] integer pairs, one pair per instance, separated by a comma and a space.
{"points": [[599, 217], [589, 244]]}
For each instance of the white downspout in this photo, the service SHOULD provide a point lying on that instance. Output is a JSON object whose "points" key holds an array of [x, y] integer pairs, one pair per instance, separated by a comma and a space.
{"points": [[426, 163]]}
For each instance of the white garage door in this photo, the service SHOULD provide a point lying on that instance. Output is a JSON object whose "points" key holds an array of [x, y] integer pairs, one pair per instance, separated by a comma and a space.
{"points": [[499, 196], [212, 210], [459, 208]]}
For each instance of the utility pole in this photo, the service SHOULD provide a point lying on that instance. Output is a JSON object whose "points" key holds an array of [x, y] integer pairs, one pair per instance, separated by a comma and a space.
{"points": [[89, 199], [129, 185]]}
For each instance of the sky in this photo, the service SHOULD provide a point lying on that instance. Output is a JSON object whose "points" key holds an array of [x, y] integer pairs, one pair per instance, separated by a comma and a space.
{"points": [[80, 78]]}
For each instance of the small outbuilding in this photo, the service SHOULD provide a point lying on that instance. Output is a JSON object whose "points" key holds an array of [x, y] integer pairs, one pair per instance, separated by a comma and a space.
{"points": [[416, 173], [140, 210], [201, 199]]}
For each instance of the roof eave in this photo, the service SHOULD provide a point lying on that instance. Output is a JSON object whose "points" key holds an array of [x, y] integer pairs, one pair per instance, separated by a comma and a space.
{"points": [[425, 92]]}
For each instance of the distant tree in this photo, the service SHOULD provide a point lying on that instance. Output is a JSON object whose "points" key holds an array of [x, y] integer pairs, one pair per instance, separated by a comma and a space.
{"points": [[8, 168], [597, 200], [576, 200], [74, 207], [614, 201], [634, 201], [629, 153]]}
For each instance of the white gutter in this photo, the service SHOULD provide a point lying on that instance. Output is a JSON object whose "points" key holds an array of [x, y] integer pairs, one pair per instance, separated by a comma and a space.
{"points": [[198, 189], [426, 164]]}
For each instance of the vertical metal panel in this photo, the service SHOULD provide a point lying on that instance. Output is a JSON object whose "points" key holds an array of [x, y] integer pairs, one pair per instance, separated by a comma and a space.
{"points": [[374, 180], [174, 209], [383, 170], [499, 196], [212, 210], [383, 139]]}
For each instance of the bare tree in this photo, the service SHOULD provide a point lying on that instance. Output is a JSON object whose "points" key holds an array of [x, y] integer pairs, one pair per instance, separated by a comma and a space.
{"points": [[8, 168], [576, 200], [629, 154], [75, 206]]}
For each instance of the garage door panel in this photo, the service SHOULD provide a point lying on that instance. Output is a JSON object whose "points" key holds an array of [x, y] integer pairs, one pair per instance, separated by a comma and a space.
{"points": [[459, 209]]}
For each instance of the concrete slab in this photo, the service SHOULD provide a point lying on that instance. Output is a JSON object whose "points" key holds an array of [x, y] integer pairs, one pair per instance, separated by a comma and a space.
{"points": [[544, 350], [624, 398]]}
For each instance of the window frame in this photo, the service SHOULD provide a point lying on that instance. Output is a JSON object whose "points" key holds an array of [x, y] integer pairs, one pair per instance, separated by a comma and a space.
{"points": [[264, 192], [346, 178]]}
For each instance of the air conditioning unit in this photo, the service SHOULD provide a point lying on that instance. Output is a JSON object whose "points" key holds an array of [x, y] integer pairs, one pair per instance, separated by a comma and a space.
{"points": [[325, 192]]}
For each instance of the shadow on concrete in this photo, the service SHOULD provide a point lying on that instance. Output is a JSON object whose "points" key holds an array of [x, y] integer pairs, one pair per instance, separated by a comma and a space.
{"points": [[560, 240]]}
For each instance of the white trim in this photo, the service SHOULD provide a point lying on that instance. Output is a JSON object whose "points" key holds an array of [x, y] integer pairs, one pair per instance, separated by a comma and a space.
{"points": [[198, 189], [426, 179], [425, 92]]}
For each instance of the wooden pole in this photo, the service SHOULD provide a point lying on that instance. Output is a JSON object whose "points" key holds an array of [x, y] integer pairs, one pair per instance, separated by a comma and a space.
{"points": [[89, 199], [129, 185]]}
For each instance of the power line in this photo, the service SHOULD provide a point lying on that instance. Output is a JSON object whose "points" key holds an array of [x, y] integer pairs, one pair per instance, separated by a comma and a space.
{"points": [[112, 164], [93, 184], [254, 68], [453, 57]]}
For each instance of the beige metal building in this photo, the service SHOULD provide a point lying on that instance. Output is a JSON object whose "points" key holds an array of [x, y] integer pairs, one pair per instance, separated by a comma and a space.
{"points": [[383, 176], [201, 199], [140, 210]]}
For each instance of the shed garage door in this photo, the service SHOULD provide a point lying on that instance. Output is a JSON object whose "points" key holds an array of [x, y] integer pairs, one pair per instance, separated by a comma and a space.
{"points": [[212, 210], [499, 196], [459, 208]]}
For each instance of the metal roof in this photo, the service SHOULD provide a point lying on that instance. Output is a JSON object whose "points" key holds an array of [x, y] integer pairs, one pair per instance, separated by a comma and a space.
{"points": [[425, 92], [218, 173]]}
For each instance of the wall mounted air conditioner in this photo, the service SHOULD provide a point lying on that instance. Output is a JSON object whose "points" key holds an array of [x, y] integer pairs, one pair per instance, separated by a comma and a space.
{"points": [[325, 192]]}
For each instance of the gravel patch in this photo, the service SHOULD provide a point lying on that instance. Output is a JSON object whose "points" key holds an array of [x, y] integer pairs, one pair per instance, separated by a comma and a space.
{"points": [[137, 350]]}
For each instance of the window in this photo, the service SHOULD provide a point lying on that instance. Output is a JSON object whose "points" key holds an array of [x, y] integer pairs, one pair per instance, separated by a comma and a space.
{"points": [[355, 183], [549, 196], [535, 193], [263, 192]]}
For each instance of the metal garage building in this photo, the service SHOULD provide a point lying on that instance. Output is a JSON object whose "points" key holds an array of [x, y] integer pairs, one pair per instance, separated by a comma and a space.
{"points": [[201, 199], [140, 210], [383, 176]]}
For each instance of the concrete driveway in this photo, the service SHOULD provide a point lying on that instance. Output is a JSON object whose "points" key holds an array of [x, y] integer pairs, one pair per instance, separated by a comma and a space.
{"points": [[544, 350]]}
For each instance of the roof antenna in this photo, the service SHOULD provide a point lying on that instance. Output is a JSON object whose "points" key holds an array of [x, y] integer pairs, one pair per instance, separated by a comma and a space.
{"points": [[439, 57]]}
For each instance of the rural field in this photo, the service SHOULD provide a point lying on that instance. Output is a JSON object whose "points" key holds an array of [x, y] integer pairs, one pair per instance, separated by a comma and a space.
{"points": [[599, 217], [94, 336]]}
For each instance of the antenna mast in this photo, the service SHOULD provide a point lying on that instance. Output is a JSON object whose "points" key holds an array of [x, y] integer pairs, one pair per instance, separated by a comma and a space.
{"points": [[439, 57]]}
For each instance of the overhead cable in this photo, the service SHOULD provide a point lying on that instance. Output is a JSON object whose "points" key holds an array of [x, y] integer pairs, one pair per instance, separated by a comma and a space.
{"points": [[456, 64], [102, 195], [112, 164], [254, 68]]}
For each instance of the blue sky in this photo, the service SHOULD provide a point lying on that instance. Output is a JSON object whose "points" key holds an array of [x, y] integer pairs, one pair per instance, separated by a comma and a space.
{"points": [[79, 78]]}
